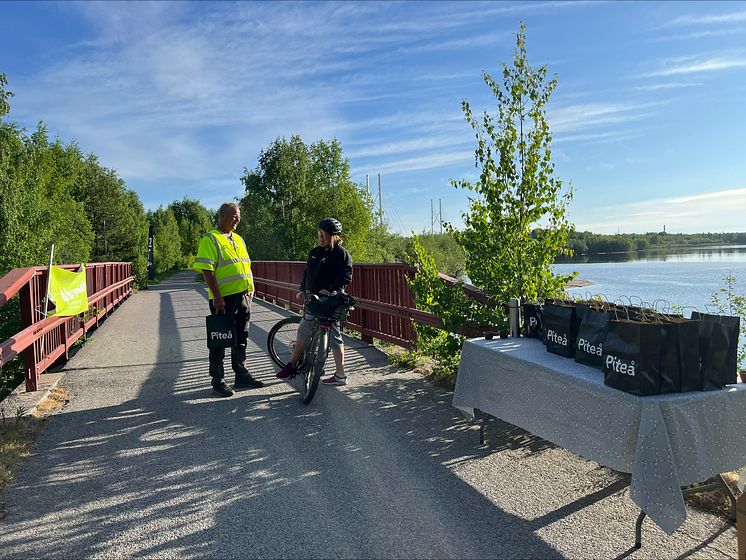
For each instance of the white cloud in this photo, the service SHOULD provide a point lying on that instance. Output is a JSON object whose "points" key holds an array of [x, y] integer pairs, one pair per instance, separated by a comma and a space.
{"points": [[689, 20], [668, 85], [698, 66], [583, 116], [419, 163], [412, 145], [688, 214]]}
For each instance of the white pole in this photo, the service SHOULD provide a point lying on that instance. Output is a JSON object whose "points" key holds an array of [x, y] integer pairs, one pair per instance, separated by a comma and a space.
{"points": [[46, 299], [380, 207], [440, 214], [49, 278]]}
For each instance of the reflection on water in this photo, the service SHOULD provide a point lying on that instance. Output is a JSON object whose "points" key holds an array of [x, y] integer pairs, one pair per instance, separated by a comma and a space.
{"points": [[685, 277]]}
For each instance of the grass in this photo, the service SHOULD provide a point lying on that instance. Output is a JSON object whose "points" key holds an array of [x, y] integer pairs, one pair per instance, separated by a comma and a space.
{"points": [[17, 434], [424, 365]]}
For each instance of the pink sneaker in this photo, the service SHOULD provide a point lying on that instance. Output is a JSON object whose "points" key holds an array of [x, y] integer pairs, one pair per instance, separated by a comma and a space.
{"points": [[334, 380], [288, 371]]}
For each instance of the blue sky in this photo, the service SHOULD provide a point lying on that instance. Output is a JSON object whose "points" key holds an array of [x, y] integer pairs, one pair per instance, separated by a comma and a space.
{"points": [[649, 117]]}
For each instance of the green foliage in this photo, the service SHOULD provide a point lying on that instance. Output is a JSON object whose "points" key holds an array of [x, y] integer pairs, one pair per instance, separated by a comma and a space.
{"points": [[516, 224], [11, 374], [403, 358], [4, 96], [194, 220], [116, 215], [37, 206], [449, 256], [728, 302], [166, 240], [454, 308], [291, 190]]}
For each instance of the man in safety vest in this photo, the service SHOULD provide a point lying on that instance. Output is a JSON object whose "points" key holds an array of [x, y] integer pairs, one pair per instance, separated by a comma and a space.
{"points": [[224, 261]]}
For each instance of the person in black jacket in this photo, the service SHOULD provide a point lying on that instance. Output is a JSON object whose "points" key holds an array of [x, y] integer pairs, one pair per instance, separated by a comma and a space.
{"points": [[328, 269]]}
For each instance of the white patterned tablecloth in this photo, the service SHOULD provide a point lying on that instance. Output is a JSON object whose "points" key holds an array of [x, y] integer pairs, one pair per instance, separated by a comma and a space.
{"points": [[664, 441]]}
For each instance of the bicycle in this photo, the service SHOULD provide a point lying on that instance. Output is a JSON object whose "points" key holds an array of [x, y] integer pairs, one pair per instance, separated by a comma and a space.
{"points": [[323, 310]]}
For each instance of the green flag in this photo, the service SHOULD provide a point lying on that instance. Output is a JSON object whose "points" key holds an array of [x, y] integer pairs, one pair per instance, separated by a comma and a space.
{"points": [[68, 291]]}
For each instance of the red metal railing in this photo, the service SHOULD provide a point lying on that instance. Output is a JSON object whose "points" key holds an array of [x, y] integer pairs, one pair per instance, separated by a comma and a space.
{"points": [[44, 340], [385, 303]]}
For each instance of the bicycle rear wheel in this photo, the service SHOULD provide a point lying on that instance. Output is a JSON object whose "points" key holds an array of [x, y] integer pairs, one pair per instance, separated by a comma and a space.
{"points": [[281, 340], [313, 366]]}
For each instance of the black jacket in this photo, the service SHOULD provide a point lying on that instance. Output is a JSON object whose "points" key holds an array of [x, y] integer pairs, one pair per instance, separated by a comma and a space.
{"points": [[327, 268]]}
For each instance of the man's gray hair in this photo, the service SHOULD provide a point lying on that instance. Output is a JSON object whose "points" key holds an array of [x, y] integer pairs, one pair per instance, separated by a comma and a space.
{"points": [[223, 210]]}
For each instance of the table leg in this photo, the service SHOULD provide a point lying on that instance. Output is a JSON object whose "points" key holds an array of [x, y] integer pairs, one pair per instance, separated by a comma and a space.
{"points": [[719, 483], [686, 492], [482, 418], [638, 529]]}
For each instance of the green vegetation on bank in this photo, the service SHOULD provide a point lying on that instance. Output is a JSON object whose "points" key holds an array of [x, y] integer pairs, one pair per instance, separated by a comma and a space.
{"points": [[587, 243]]}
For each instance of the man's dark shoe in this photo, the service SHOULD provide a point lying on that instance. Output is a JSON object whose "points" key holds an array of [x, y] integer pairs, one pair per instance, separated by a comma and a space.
{"points": [[247, 382], [222, 390]]}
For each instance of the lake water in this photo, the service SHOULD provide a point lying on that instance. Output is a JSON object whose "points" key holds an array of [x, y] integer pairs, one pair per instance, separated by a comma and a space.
{"points": [[685, 277]]}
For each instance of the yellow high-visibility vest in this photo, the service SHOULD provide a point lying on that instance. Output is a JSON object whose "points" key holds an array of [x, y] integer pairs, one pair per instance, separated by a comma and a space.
{"points": [[229, 259]]}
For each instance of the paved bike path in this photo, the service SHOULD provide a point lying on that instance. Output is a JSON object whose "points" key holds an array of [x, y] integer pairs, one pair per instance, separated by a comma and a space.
{"points": [[144, 461]]}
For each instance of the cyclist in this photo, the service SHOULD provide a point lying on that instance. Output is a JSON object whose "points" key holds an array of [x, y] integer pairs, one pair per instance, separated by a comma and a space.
{"points": [[328, 269]]}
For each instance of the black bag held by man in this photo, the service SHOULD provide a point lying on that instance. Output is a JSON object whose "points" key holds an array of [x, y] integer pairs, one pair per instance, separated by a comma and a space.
{"points": [[718, 345], [220, 331], [632, 357], [680, 369], [560, 327], [533, 322]]}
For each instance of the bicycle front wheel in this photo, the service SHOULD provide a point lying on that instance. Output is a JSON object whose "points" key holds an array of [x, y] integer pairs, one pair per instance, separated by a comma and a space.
{"points": [[281, 340], [314, 366]]}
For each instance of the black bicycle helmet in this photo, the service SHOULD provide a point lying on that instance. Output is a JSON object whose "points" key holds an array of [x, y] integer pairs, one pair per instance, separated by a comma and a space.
{"points": [[330, 226]]}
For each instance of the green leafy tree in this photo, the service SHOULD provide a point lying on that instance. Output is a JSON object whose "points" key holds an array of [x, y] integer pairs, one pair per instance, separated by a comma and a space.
{"points": [[117, 217], [516, 224], [166, 240], [11, 151], [449, 256], [37, 207], [452, 306], [194, 220], [293, 188]]}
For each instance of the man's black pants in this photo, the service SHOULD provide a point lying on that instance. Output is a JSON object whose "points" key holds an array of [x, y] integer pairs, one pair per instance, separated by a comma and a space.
{"points": [[237, 306]]}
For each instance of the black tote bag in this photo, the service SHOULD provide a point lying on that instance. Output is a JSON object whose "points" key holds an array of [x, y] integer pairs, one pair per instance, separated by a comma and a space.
{"points": [[680, 367], [220, 331], [533, 322], [718, 345], [631, 356], [560, 328], [592, 334]]}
